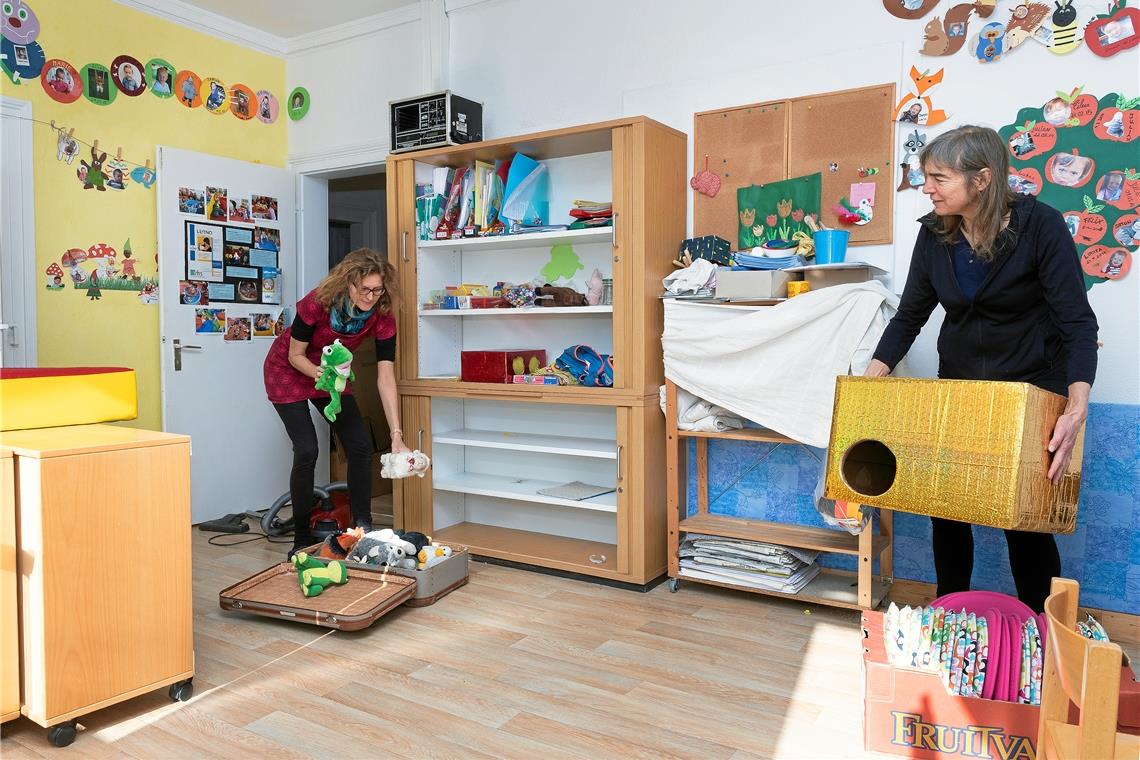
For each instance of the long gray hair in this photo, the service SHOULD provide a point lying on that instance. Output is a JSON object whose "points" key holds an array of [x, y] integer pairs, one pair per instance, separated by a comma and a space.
{"points": [[967, 150]]}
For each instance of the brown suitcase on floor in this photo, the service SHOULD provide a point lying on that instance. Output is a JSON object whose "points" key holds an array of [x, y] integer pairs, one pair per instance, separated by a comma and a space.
{"points": [[275, 592]]}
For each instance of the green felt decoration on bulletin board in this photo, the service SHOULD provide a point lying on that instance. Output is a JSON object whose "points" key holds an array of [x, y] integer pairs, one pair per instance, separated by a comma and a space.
{"points": [[776, 211], [1078, 154]]}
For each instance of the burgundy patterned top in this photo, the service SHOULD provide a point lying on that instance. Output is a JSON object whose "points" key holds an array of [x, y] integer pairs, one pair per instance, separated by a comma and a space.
{"points": [[283, 383]]}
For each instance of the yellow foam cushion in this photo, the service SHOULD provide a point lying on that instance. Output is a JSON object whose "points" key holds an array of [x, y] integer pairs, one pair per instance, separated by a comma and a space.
{"points": [[56, 396]]}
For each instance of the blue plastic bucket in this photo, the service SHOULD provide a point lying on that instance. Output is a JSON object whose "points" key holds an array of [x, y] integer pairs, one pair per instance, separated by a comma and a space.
{"points": [[830, 246]]}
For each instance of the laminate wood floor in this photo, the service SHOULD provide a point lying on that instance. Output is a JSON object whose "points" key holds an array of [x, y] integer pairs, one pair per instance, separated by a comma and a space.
{"points": [[515, 664]]}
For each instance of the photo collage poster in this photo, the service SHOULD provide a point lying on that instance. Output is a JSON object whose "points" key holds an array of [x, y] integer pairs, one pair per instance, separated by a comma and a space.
{"points": [[231, 257]]}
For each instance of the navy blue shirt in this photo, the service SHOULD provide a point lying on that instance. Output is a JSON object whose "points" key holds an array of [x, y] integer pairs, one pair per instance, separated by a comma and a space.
{"points": [[970, 269], [1029, 320]]}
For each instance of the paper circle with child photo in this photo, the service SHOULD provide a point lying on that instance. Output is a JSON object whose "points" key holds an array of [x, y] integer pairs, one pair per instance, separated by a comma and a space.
{"points": [[61, 81], [298, 103], [188, 89], [1069, 169], [127, 72], [267, 106], [215, 96], [160, 75], [97, 86], [242, 102]]}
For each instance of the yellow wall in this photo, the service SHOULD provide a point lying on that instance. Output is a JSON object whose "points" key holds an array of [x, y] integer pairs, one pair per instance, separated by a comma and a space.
{"points": [[119, 330]]}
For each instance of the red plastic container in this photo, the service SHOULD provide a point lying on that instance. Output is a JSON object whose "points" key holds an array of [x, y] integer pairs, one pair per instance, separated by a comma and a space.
{"points": [[499, 366]]}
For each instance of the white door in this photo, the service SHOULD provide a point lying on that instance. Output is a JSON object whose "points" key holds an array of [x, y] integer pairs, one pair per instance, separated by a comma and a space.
{"points": [[212, 388], [18, 281]]}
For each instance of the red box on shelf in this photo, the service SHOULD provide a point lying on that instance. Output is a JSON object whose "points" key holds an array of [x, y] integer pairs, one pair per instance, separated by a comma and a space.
{"points": [[501, 365]]}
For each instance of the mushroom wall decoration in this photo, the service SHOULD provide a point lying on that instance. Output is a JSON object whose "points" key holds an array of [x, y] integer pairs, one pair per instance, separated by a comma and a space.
{"points": [[103, 255], [71, 259], [54, 276]]}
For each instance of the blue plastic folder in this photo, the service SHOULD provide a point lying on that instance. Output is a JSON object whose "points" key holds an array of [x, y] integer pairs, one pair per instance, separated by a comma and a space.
{"points": [[526, 196]]}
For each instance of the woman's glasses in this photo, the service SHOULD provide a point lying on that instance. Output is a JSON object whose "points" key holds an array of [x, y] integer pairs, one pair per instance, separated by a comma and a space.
{"points": [[370, 292]]}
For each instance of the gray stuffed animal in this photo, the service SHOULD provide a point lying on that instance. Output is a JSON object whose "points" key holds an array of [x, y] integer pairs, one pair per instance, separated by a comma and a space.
{"points": [[374, 551]]}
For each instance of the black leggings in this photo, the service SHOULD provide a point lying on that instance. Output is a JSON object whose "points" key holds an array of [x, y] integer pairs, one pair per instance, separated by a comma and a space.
{"points": [[354, 439], [1033, 558]]}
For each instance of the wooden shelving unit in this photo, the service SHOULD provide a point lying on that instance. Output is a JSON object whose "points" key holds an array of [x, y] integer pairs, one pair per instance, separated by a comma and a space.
{"points": [[859, 590], [494, 445]]}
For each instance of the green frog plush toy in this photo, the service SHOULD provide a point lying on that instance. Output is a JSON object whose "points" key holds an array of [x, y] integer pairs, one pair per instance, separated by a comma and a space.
{"points": [[336, 371]]}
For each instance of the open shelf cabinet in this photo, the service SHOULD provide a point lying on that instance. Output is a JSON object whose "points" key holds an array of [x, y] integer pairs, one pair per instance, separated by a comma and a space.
{"points": [[494, 445], [859, 590]]}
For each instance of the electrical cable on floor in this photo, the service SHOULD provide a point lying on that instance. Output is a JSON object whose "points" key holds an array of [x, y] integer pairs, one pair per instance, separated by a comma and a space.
{"points": [[249, 537]]}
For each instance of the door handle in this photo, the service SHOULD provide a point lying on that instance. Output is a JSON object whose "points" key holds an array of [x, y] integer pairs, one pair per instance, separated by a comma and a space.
{"points": [[404, 245], [620, 479], [617, 244], [10, 329], [178, 349]]}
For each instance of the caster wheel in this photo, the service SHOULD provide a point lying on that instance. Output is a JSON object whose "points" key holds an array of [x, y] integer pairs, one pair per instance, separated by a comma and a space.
{"points": [[182, 691], [674, 583], [62, 735]]}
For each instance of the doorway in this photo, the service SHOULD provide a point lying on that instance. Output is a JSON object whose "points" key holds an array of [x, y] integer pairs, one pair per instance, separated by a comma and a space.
{"points": [[18, 284], [358, 209], [358, 214]]}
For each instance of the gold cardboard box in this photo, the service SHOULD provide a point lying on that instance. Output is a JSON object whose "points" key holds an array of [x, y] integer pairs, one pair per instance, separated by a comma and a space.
{"points": [[966, 450]]}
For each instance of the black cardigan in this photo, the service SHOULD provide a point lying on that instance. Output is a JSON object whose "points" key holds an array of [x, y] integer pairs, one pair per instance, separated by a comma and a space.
{"points": [[1030, 320]]}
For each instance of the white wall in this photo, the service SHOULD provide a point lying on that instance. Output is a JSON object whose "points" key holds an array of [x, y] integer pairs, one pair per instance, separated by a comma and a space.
{"points": [[351, 81], [542, 64]]}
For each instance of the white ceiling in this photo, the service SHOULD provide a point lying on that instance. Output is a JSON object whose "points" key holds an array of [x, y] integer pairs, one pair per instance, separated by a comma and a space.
{"points": [[293, 18]]}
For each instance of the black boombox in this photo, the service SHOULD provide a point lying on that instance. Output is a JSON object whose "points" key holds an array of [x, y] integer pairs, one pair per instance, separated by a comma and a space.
{"points": [[429, 121]]}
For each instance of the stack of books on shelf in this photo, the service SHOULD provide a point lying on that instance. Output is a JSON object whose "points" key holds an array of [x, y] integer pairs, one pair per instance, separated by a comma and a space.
{"points": [[747, 563]]}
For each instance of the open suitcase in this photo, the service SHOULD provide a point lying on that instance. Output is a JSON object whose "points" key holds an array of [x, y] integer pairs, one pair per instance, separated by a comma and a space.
{"points": [[431, 583], [364, 599]]}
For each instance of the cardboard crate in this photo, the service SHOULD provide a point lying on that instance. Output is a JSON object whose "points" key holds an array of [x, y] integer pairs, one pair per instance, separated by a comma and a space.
{"points": [[974, 451], [735, 283], [909, 712]]}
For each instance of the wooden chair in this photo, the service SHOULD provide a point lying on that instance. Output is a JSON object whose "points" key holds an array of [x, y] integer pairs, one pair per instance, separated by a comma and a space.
{"points": [[1087, 673]]}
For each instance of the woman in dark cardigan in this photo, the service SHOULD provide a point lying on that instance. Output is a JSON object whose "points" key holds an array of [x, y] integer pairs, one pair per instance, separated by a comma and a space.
{"points": [[1005, 269]]}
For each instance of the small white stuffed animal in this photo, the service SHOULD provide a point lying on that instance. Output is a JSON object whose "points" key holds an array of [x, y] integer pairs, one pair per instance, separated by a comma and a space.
{"points": [[431, 555], [395, 466]]}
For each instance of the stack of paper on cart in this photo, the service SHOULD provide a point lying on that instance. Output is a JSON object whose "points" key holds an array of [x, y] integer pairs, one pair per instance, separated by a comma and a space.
{"points": [[747, 563]]}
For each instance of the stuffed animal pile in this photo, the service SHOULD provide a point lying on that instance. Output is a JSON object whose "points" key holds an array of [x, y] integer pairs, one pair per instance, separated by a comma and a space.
{"points": [[396, 466], [409, 550]]}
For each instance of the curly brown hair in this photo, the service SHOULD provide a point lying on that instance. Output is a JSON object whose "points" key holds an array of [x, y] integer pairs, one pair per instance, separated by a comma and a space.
{"points": [[353, 268]]}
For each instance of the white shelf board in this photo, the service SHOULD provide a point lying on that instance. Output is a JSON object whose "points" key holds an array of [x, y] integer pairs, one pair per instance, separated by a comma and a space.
{"points": [[598, 448], [520, 489], [525, 240], [537, 311]]}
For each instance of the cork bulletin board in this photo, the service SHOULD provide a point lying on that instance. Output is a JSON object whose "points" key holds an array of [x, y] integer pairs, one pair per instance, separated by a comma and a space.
{"points": [[765, 142], [744, 146]]}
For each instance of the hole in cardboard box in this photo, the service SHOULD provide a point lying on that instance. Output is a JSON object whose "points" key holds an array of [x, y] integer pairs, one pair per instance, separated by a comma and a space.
{"points": [[868, 468]]}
